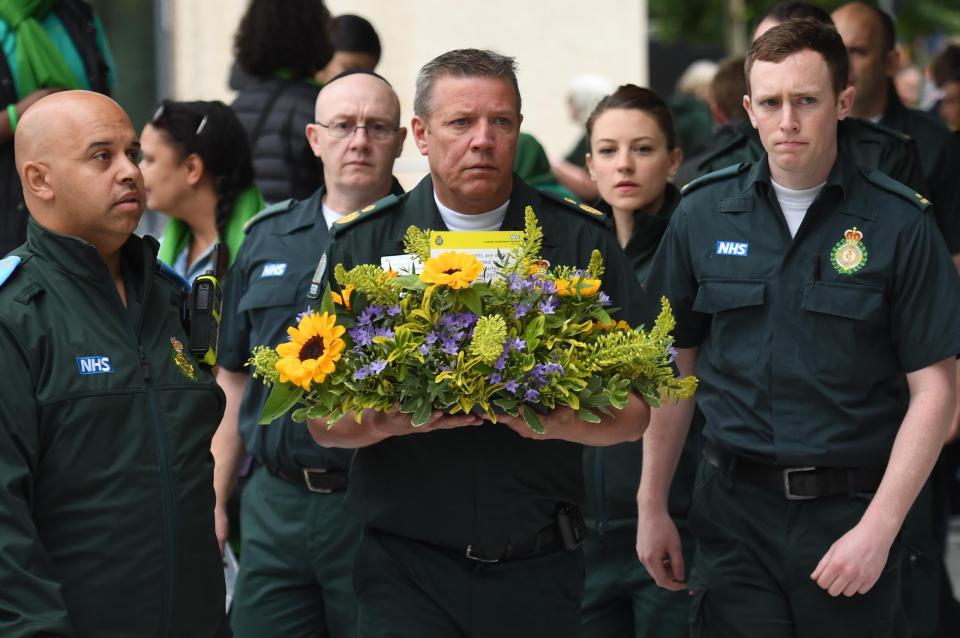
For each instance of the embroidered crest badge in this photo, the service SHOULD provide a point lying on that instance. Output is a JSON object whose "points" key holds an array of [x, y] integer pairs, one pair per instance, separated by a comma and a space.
{"points": [[849, 254], [181, 360]]}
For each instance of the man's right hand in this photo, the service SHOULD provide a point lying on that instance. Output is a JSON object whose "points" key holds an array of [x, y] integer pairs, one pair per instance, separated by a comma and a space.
{"points": [[221, 524], [659, 549], [399, 424]]}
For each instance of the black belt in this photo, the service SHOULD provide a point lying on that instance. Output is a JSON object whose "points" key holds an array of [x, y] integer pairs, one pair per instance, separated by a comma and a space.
{"points": [[547, 540], [316, 480], [796, 483]]}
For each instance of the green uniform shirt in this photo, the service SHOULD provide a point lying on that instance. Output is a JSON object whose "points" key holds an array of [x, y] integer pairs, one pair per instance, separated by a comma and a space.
{"points": [[945, 192], [925, 129], [870, 145], [106, 478], [801, 364], [477, 485], [265, 291]]}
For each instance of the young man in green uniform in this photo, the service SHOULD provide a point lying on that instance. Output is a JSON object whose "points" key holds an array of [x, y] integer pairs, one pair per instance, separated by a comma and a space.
{"points": [[817, 305], [464, 519], [106, 521], [298, 543]]}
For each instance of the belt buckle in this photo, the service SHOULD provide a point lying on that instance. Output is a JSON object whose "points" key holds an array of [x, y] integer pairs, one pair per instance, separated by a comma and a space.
{"points": [[469, 554], [307, 473], [787, 472]]}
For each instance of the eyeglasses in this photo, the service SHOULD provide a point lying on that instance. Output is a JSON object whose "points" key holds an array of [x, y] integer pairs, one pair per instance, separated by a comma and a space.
{"points": [[341, 129], [162, 108]]}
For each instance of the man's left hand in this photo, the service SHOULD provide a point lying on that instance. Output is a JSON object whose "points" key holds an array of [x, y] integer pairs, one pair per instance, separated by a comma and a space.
{"points": [[559, 423], [854, 563]]}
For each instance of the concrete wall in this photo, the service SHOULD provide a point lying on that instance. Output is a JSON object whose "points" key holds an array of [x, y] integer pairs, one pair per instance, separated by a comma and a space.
{"points": [[553, 40]]}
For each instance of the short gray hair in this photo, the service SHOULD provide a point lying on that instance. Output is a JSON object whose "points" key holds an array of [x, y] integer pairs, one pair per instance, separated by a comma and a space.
{"points": [[462, 63]]}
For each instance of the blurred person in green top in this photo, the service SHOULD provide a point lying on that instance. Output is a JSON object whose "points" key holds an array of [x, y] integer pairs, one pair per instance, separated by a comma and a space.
{"points": [[48, 45], [197, 170], [634, 152]]}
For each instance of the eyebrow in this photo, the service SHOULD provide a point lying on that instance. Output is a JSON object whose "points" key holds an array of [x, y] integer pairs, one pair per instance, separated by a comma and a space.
{"points": [[634, 139], [102, 143]]}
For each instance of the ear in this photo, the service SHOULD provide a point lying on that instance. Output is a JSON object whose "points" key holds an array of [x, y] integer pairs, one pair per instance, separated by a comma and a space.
{"points": [[676, 158], [589, 165], [748, 107], [419, 127], [313, 138], [845, 102], [401, 138], [891, 62], [36, 180], [195, 169]]}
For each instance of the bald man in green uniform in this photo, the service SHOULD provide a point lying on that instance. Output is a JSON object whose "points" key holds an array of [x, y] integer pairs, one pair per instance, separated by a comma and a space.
{"points": [[817, 304], [465, 520]]}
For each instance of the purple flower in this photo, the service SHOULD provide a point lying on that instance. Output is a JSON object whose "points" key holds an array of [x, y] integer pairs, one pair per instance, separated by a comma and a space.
{"points": [[362, 373], [369, 314], [539, 374], [393, 310], [496, 377], [548, 306], [500, 363], [548, 286], [431, 338], [302, 314], [531, 395], [377, 366], [383, 332], [603, 298], [672, 354], [424, 349], [511, 386], [521, 310], [449, 346], [553, 368], [361, 336], [517, 344]]}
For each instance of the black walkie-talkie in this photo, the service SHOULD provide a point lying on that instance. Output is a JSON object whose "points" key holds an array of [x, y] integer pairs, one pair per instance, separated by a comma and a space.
{"points": [[206, 303]]}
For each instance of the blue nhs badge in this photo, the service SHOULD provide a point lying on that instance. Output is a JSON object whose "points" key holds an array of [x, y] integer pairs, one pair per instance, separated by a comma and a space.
{"points": [[95, 364], [273, 270], [733, 248]]}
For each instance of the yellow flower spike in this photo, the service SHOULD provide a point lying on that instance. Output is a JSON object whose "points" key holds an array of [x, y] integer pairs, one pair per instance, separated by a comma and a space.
{"points": [[452, 269], [312, 352], [344, 298]]}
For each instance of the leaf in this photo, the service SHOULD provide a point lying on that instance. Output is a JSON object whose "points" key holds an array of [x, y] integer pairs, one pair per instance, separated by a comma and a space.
{"points": [[326, 302], [588, 416], [422, 414], [530, 416], [532, 333], [283, 396], [411, 282], [471, 299], [601, 315]]}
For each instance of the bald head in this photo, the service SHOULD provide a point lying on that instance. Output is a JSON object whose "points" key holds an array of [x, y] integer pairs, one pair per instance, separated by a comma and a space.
{"points": [[76, 153], [347, 90], [870, 38]]}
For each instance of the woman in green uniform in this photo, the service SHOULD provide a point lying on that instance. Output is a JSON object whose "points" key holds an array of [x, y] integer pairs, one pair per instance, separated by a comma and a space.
{"points": [[197, 170], [634, 151]]}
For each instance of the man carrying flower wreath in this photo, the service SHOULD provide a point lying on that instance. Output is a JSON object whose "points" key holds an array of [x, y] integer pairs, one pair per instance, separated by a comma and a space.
{"points": [[464, 519]]}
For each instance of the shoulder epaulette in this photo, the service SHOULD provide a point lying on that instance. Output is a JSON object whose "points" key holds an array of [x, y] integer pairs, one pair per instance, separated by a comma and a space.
{"points": [[7, 266], [885, 130], [893, 186], [580, 207], [269, 211], [351, 219], [172, 276], [715, 176]]}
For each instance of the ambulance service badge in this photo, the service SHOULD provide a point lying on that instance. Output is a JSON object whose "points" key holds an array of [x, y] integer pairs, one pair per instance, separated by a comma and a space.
{"points": [[181, 360], [849, 254]]}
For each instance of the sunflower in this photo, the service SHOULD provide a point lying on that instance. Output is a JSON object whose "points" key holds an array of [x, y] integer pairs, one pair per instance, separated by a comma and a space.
{"points": [[342, 298], [314, 347], [586, 287], [451, 269]]}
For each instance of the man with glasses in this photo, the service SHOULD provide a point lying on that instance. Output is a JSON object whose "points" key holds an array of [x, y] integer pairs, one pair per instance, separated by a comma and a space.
{"points": [[298, 543]]}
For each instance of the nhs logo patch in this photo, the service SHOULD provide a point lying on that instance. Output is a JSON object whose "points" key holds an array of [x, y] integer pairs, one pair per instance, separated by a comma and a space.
{"points": [[273, 270], [733, 248], [95, 364]]}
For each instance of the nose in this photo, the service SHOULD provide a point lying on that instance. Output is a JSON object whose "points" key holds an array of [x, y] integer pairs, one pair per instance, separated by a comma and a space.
{"points": [[128, 169], [360, 136], [483, 137], [788, 118], [624, 165]]}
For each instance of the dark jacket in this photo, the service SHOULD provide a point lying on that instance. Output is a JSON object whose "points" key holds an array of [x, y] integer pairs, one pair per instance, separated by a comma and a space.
{"points": [[77, 19], [274, 112], [106, 478]]}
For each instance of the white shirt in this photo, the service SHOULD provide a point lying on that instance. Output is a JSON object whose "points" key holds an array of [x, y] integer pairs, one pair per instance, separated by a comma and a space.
{"points": [[794, 203], [330, 215], [490, 220]]}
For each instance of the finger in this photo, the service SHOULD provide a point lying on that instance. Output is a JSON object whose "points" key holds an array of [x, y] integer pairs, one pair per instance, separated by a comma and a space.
{"points": [[822, 565], [838, 585], [676, 562], [853, 587], [868, 584]]}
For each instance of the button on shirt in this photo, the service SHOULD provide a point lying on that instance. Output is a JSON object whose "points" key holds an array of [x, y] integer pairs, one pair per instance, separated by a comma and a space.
{"points": [[801, 361]]}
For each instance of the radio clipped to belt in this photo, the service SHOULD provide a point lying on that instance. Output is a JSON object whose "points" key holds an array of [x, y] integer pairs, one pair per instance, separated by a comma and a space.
{"points": [[205, 306]]}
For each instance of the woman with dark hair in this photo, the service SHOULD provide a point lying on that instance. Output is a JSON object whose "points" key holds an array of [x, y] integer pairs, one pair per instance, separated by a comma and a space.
{"points": [[634, 151], [197, 169], [281, 46]]}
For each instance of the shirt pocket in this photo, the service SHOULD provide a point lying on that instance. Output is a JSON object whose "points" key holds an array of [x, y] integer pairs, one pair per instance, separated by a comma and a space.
{"points": [[271, 307], [736, 327], [848, 327]]}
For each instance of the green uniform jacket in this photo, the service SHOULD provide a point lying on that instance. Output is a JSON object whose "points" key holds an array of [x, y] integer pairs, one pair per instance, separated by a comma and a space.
{"points": [[613, 473], [870, 145], [945, 192], [476, 485], [925, 129], [106, 477], [265, 291], [801, 363]]}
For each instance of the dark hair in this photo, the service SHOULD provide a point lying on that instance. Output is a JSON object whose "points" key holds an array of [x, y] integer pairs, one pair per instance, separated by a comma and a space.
{"points": [[945, 65], [790, 9], [801, 34], [354, 34], [633, 97], [888, 29], [462, 63], [284, 34], [728, 88], [212, 131]]}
